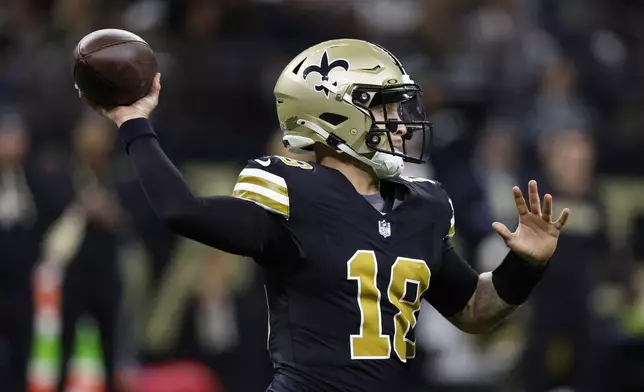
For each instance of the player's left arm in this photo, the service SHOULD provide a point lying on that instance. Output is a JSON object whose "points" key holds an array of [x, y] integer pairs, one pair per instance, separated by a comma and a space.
{"points": [[484, 310], [477, 303]]}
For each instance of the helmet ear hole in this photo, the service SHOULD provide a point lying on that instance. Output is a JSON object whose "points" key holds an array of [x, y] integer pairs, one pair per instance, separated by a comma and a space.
{"points": [[333, 119], [361, 97]]}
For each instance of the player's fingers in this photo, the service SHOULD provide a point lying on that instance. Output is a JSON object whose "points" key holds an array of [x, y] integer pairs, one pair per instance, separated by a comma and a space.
{"points": [[522, 208], [152, 99], [502, 230], [533, 194], [563, 218], [547, 208], [153, 94], [156, 84]]}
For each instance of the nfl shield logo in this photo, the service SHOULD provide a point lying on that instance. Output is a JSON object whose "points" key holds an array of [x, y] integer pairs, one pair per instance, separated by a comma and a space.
{"points": [[384, 228]]}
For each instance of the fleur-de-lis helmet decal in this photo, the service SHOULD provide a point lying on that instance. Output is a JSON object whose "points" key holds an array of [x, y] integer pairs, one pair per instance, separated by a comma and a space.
{"points": [[324, 69]]}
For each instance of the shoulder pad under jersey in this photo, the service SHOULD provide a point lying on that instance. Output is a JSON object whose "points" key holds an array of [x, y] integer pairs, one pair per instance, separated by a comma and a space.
{"points": [[264, 182]]}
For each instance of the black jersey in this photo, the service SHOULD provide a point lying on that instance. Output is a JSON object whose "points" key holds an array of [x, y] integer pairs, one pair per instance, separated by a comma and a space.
{"points": [[344, 282]]}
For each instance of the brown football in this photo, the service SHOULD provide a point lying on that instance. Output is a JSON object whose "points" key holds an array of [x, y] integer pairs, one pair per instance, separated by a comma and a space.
{"points": [[113, 67]]}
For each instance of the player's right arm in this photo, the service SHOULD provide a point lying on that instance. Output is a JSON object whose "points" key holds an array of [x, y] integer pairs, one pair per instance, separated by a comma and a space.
{"points": [[231, 224]]}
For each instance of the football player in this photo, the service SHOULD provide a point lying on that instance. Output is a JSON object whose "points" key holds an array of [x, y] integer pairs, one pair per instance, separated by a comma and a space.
{"points": [[349, 247]]}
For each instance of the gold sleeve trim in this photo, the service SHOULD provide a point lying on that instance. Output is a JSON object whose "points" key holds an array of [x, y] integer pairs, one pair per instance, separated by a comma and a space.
{"points": [[263, 201], [264, 184]]}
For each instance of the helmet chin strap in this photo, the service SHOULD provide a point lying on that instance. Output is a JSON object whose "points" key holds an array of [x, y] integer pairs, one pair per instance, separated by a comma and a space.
{"points": [[383, 164]]}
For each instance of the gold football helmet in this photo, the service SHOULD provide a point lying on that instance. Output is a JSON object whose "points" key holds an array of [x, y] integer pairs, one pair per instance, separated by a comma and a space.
{"points": [[329, 93]]}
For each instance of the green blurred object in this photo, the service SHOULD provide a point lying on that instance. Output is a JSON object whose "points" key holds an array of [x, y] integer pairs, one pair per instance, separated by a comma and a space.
{"points": [[86, 360]]}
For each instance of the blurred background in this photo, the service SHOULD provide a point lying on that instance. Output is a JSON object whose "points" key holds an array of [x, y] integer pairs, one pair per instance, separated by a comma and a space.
{"points": [[95, 295]]}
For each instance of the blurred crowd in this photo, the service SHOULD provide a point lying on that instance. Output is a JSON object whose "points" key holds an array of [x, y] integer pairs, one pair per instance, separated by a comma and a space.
{"points": [[96, 295]]}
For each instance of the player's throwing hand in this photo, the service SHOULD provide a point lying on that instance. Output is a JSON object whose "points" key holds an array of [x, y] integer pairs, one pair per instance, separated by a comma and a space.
{"points": [[535, 238], [139, 109]]}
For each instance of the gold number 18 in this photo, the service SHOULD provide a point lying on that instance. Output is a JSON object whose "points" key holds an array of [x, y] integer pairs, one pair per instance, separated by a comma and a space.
{"points": [[370, 342]]}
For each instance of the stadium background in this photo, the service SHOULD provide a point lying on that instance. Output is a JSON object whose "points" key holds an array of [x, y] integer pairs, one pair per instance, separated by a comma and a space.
{"points": [[517, 89]]}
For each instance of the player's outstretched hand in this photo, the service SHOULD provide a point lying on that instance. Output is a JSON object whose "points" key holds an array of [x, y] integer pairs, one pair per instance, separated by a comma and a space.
{"points": [[536, 236], [139, 109]]}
